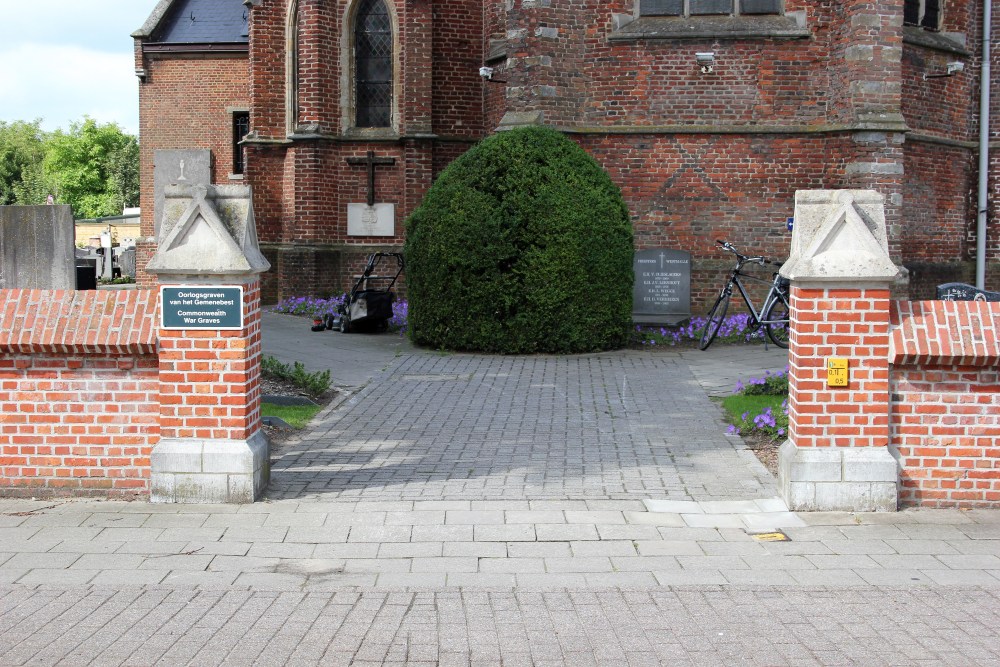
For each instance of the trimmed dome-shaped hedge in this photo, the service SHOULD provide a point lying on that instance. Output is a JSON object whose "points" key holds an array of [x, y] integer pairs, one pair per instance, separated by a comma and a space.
{"points": [[522, 245]]}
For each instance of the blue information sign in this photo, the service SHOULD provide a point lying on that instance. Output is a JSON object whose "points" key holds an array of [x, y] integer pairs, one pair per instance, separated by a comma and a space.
{"points": [[201, 307]]}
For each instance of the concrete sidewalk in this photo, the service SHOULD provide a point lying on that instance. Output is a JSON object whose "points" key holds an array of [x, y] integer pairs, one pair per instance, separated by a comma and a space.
{"points": [[475, 510]]}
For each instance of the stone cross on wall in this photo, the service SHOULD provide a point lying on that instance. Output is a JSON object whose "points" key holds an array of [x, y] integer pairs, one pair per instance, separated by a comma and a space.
{"points": [[371, 162]]}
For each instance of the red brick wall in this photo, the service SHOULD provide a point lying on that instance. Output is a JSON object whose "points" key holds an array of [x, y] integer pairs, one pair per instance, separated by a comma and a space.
{"points": [[458, 55], [945, 413], [302, 187], [692, 152], [79, 384], [704, 156], [847, 323], [210, 380]]}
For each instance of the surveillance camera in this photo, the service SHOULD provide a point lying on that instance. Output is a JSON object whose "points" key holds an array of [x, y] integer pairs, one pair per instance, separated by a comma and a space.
{"points": [[706, 59], [955, 67], [486, 72]]}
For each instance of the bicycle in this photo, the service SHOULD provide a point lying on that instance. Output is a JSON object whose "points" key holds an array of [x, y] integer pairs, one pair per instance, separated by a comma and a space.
{"points": [[773, 315]]}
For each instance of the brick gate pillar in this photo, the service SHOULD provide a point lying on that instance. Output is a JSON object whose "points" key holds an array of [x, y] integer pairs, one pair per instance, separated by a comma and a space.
{"points": [[837, 457], [212, 448]]}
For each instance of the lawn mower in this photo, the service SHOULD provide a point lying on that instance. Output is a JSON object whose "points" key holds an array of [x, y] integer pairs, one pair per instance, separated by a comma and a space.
{"points": [[368, 306]]}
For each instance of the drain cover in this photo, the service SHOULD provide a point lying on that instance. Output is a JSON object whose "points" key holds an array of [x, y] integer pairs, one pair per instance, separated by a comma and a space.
{"points": [[776, 536]]}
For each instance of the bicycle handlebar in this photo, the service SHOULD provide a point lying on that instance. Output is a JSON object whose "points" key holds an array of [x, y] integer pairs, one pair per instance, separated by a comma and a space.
{"points": [[726, 245]]}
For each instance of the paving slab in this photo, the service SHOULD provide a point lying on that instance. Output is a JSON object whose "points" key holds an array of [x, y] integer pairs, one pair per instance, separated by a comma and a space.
{"points": [[510, 510]]}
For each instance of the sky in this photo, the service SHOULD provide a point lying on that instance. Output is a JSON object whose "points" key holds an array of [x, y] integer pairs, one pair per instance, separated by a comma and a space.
{"points": [[61, 60]]}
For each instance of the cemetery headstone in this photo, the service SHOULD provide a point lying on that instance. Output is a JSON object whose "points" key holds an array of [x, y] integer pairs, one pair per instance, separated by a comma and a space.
{"points": [[177, 167], [662, 289], [963, 292], [37, 247]]}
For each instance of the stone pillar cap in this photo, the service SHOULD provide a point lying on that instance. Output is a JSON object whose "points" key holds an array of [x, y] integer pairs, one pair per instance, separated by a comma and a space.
{"points": [[208, 230], [839, 236]]}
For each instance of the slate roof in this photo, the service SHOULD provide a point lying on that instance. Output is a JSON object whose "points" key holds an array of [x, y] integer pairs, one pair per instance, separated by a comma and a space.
{"points": [[197, 22]]}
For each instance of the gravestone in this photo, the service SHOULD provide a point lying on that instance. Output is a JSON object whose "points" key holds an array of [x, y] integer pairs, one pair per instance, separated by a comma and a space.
{"points": [[662, 290], [177, 167], [37, 247], [963, 292]]}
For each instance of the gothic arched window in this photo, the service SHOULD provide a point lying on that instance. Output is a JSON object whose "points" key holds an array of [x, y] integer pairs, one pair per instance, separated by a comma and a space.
{"points": [[373, 64]]}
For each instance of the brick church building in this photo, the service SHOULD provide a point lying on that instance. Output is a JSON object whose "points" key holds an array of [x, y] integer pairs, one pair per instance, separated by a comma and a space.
{"points": [[709, 114]]}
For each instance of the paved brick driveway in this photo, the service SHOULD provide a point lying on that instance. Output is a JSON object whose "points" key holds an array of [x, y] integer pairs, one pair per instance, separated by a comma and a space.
{"points": [[617, 426]]}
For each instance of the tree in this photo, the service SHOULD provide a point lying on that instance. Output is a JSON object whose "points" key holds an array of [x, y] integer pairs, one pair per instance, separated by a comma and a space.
{"points": [[94, 168], [522, 245], [22, 149]]}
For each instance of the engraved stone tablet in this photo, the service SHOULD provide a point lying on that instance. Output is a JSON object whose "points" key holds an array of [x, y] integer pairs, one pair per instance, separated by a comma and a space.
{"points": [[377, 220], [662, 290]]}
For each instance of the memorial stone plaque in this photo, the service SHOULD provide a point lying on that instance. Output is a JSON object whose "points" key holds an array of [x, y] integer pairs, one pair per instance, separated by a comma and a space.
{"points": [[662, 290], [377, 220], [963, 292], [180, 167]]}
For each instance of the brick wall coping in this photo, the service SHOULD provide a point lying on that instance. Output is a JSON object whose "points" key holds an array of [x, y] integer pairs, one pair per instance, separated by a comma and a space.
{"points": [[963, 333], [86, 322]]}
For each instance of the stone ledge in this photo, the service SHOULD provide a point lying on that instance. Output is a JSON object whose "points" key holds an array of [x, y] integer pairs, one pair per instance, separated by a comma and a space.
{"points": [[710, 27], [939, 41]]}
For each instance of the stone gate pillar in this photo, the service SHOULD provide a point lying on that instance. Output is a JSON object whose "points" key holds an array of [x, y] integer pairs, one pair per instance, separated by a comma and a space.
{"points": [[208, 264], [837, 457]]}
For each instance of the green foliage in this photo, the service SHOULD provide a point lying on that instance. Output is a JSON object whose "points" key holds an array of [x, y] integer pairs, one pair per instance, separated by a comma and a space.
{"points": [[522, 245], [315, 384], [92, 167], [86, 164], [760, 406], [22, 149], [759, 414], [772, 384]]}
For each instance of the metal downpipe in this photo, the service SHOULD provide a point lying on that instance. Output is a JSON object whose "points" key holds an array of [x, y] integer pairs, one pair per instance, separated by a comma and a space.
{"points": [[984, 147]]}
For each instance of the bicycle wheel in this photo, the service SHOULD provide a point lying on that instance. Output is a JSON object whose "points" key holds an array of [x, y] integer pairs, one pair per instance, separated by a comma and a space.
{"points": [[715, 318], [778, 316]]}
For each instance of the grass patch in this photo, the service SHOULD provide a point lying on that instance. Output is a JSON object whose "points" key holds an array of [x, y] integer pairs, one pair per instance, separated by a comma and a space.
{"points": [[760, 414], [737, 404], [298, 416]]}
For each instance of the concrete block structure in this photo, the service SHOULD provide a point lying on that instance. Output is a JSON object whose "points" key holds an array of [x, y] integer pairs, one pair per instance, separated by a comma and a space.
{"points": [[708, 115]]}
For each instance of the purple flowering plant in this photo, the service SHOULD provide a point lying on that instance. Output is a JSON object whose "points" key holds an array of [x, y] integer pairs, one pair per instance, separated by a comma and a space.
{"points": [[754, 408], [317, 307], [735, 329]]}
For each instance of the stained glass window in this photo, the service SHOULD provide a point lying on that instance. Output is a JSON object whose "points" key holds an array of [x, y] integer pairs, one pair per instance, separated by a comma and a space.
{"points": [[373, 64], [241, 128]]}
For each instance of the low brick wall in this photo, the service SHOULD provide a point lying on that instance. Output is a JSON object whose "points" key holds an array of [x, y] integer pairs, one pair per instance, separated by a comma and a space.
{"points": [[79, 392], [945, 402]]}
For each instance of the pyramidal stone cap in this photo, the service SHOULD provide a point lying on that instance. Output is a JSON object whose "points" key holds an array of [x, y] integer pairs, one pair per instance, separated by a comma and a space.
{"points": [[839, 236], [208, 230]]}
